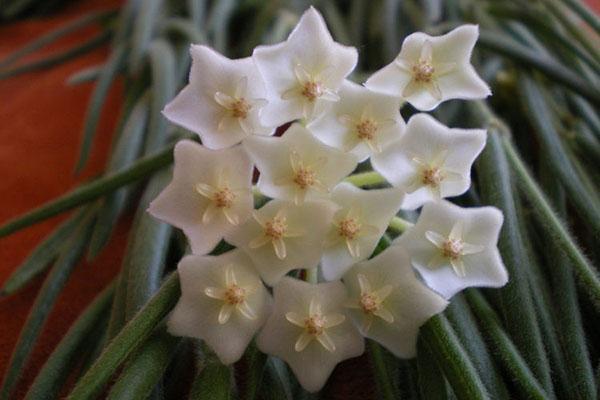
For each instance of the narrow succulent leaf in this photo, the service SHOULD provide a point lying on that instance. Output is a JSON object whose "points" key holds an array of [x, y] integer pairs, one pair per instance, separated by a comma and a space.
{"points": [[53, 284], [145, 368], [89, 74], [504, 349], [381, 372], [57, 58], [125, 22], [518, 53], [164, 75], [587, 14], [587, 112], [97, 101], [464, 324], [336, 22], [256, 361], [116, 318], [432, 384], [125, 152], [144, 26], [587, 204], [185, 28], [56, 370], [91, 191], [495, 183], [553, 226], [146, 250], [131, 337], [197, 12], [213, 381], [277, 380], [56, 34], [42, 256], [218, 23], [452, 359]]}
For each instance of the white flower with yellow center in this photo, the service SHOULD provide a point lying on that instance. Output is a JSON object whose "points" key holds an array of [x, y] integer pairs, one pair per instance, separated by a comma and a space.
{"points": [[433, 69], [454, 248], [210, 194], [357, 226], [308, 330], [223, 100], [362, 122], [388, 302], [430, 161], [304, 73], [297, 166], [223, 302], [283, 236]]}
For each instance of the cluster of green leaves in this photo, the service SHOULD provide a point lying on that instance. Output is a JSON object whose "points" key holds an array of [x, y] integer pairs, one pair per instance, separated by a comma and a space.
{"points": [[535, 338]]}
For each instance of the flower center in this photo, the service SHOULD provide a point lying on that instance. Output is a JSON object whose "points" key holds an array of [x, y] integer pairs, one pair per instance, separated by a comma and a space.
{"points": [[432, 176], [235, 295], [312, 90], [315, 324], [305, 177], [369, 303], [423, 71], [240, 108], [224, 198], [452, 248], [276, 228], [366, 129], [349, 228]]}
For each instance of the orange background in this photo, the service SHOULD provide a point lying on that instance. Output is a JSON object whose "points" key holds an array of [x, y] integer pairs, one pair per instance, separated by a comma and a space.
{"points": [[41, 119]]}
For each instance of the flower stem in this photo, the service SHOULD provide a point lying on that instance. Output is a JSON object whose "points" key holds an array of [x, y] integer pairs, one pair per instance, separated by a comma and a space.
{"points": [[381, 371], [365, 179], [312, 276], [399, 225]]}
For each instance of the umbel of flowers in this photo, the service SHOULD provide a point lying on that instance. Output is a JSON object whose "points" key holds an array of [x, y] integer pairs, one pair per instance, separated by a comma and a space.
{"points": [[315, 225]]}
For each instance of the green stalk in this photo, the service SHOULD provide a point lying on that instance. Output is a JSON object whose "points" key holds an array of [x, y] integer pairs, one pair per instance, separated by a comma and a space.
{"points": [[365, 179], [255, 361], [213, 381], [91, 191], [553, 226], [385, 387], [53, 284], [56, 369], [504, 349], [132, 337], [452, 359], [144, 25], [432, 384]]}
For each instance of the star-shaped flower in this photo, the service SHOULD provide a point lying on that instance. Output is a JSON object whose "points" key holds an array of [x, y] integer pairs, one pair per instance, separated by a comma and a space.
{"points": [[454, 248], [303, 73], [223, 100], [362, 122], [283, 236], [308, 330], [211, 193], [223, 302], [433, 69], [297, 166], [430, 161], [388, 302], [359, 223]]}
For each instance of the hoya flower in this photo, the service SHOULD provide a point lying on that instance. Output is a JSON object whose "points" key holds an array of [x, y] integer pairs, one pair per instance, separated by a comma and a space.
{"points": [[357, 226], [297, 166], [283, 236], [211, 193], [223, 100], [362, 122], [454, 248], [433, 69], [430, 161], [308, 330], [388, 302], [223, 302], [304, 73]]}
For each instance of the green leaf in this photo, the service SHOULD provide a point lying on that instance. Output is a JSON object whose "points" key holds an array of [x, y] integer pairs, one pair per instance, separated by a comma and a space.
{"points": [[44, 301], [132, 337], [144, 27], [56, 369], [91, 191], [213, 381], [146, 368], [382, 372], [432, 384]]}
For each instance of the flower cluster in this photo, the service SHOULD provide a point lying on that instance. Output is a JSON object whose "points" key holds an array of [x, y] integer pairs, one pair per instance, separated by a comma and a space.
{"points": [[314, 225]]}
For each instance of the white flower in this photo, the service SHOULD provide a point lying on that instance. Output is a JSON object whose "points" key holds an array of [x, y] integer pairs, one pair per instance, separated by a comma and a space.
{"points": [[362, 122], [222, 101], [308, 330], [388, 302], [430, 161], [454, 248], [223, 302], [210, 193], [430, 70], [359, 223], [303, 73], [297, 166], [283, 236]]}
